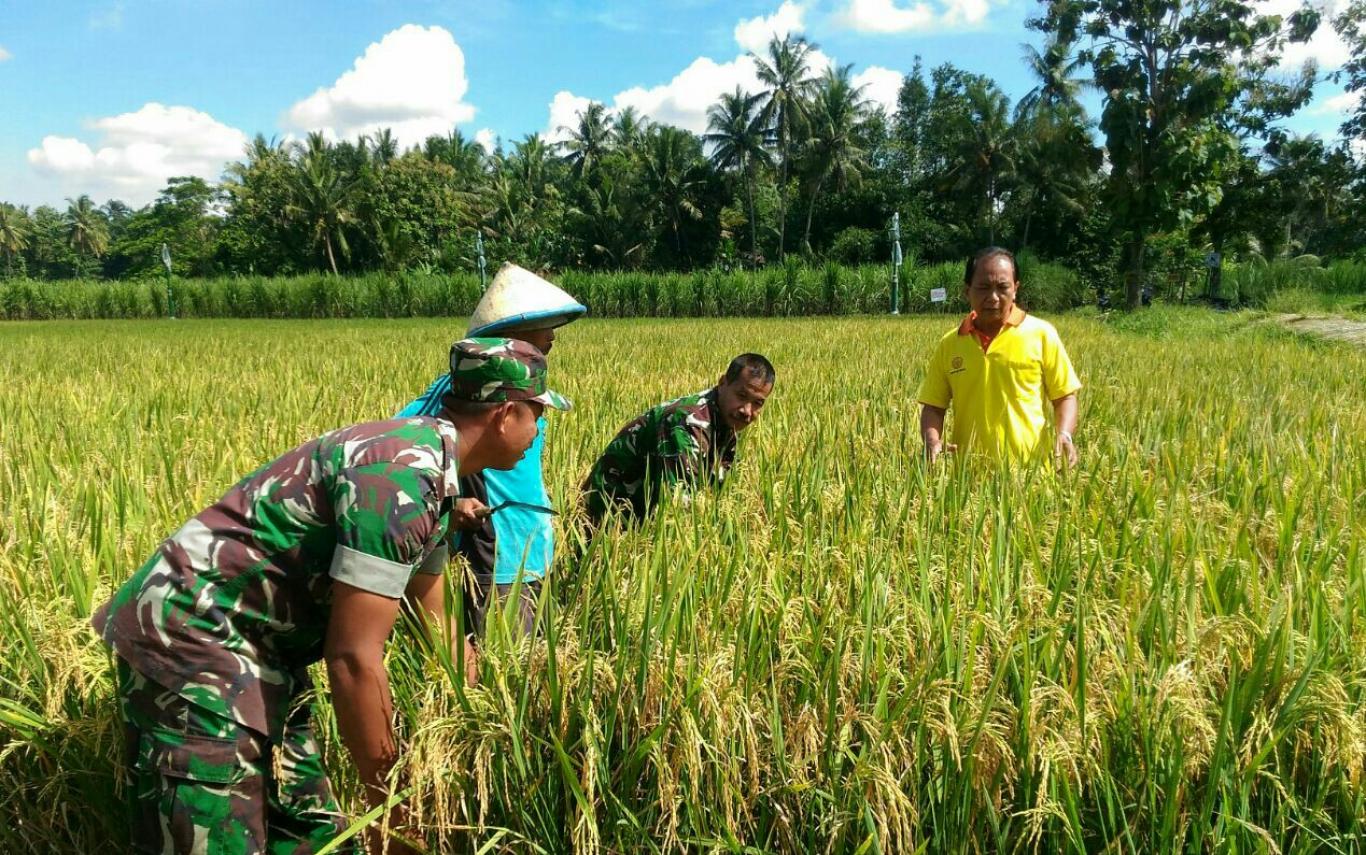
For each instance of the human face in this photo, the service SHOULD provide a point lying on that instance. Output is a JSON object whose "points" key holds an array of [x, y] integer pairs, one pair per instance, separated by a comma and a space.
{"points": [[542, 339], [741, 399], [514, 432], [991, 293]]}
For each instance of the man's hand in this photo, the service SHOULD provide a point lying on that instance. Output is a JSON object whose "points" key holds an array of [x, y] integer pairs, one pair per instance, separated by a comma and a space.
{"points": [[934, 449], [1065, 450], [468, 514]]}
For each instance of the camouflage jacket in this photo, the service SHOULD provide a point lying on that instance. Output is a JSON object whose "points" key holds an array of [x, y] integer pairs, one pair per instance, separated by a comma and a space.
{"points": [[681, 442], [233, 607]]}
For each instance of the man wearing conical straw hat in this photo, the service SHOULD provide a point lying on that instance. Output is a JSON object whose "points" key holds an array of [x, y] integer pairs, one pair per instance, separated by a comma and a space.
{"points": [[506, 534]]}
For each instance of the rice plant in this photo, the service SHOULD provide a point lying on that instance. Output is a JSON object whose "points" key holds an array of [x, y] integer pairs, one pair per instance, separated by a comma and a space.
{"points": [[841, 651]]}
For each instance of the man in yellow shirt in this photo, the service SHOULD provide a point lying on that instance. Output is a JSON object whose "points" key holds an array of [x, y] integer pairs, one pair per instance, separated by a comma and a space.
{"points": [[998, 368]]}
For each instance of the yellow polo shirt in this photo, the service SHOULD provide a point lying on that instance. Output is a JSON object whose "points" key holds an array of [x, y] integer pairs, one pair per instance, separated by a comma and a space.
{"points": [[1001, 392]]}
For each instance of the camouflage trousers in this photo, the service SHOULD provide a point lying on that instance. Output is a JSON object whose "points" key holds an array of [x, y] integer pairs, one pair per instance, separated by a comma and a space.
{"points": [[201, 783]]}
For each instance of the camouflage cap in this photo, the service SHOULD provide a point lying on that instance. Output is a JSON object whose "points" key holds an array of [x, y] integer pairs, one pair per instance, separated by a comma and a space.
{"points": [[494, 370]]}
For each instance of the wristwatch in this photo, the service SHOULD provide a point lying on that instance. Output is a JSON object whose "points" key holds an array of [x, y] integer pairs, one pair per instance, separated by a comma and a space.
{"points": [[1062, 434]]}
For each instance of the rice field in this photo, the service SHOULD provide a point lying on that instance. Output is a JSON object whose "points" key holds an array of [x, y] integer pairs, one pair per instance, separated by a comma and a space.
{"points": [[1164, 650]]}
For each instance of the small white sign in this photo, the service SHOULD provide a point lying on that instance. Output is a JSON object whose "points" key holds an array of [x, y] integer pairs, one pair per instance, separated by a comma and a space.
{"points": [[938, 295], [166, 257]]}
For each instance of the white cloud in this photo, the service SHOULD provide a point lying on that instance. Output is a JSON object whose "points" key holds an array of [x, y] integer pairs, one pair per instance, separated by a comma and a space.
{"points": [[4, 54], [139, 151], [565, 108], [881, 86], [486, 138], [683, 100], [1345, 102], [411, 81], [885, 16], [1325, 47], [754, 34]]}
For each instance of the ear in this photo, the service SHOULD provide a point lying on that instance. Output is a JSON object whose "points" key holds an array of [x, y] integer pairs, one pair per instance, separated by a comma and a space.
{"points": [[499, 419]]}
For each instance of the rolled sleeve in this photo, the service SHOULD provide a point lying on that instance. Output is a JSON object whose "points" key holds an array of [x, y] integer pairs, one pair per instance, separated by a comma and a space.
{"points": [[388, 524], [369, 572]]}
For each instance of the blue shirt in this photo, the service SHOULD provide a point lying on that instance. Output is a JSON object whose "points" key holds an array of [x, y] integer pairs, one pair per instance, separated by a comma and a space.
{"points": [[524, 541]]}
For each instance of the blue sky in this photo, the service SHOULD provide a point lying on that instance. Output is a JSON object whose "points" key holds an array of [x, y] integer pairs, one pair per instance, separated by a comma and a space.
{"points": [[111, 97]]}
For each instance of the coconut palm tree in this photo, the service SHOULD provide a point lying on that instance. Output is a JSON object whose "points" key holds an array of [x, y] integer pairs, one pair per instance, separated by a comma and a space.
{"points": [[383, 148], [739, 141], [986, 156], [466, 156], [321, 198], [15, 231], [672, 175], [588, 141], [1055, 68], [832, 151], [786, 72], [629, 128], [86, 229]]}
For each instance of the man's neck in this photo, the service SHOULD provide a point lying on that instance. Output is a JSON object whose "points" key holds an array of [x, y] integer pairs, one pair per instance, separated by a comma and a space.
{"points": [[989, 330], [466, 447]]}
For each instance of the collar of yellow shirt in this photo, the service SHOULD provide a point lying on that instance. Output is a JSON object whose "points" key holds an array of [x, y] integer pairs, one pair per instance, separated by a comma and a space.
{"points": [[967, 327]]}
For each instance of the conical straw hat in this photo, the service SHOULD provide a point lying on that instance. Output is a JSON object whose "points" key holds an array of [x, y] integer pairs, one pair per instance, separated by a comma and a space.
{"points": [[519, 299]]}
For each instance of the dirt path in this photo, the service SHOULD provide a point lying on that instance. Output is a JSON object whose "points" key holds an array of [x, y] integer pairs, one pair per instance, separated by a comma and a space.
{"points": [[1338, 329]]}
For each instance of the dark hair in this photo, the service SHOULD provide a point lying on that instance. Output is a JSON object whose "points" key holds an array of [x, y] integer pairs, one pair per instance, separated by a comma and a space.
{"points": [[752, 364], [467, 409], [988, 253]]}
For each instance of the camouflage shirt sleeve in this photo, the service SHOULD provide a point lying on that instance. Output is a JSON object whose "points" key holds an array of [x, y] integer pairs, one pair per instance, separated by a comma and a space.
{"points": [[388, 526]]}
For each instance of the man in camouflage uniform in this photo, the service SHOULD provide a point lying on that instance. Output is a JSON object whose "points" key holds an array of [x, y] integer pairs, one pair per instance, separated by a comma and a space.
{"points": [[307, 558], [682, 444]]}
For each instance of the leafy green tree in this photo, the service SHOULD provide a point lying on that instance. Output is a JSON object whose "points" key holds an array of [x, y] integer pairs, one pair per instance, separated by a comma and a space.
{"points": [[182, 217], [413, 209], [786, 72], [1351, 26], [739, 144], [1173, 74], [257, 234]]}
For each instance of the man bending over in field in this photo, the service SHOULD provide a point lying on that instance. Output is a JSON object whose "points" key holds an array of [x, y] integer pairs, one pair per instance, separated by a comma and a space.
{"points": [[681, 444], [513, 548], [998, 367], [307, 558]]}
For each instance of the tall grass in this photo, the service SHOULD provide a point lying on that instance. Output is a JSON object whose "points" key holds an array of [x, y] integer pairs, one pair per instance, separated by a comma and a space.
{"points": [[788, 290], [840, 652], [1262, 284]]}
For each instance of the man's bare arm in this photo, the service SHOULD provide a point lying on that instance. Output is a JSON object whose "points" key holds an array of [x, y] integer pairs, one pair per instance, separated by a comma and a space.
{"points": [[354, 652], [1065, 421], [932, 431]]}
